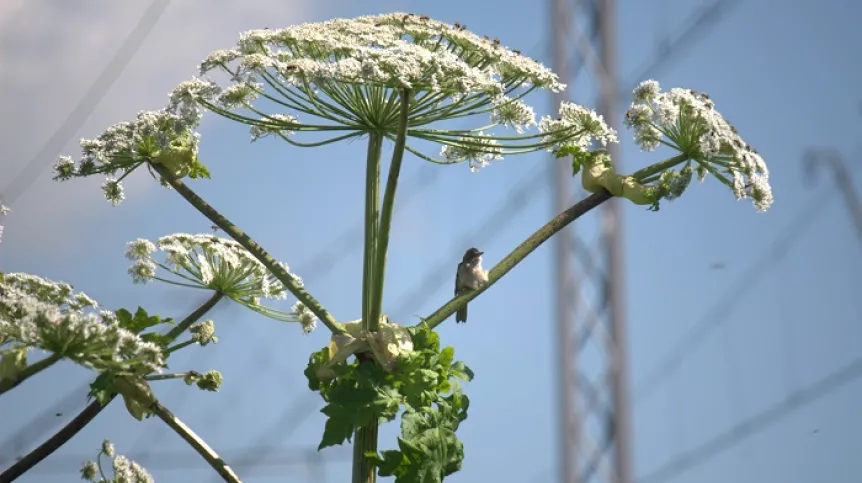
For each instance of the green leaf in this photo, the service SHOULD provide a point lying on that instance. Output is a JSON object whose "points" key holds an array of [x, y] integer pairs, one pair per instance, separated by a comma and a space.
{"points": [[461, 371], [199, 170], [429, 450], [339, 426], [140, 321], [420, 388], [447, 355], [316, 361], [389, 462], [156, 338], [102, 388], [424, 338]]}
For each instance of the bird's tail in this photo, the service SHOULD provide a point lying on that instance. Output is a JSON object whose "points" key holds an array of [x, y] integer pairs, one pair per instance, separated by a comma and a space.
{"points": [[461, 315]]}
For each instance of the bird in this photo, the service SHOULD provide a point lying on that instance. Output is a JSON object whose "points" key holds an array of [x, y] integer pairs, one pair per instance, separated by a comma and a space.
{"points": [[469, 276]]}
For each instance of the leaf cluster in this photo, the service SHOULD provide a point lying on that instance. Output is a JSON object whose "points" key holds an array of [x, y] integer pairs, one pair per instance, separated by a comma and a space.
{"points": [[423, 382]]}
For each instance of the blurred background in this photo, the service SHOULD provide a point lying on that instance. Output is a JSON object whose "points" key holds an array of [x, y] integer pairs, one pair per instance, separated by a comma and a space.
{"points": [[705, 342]]}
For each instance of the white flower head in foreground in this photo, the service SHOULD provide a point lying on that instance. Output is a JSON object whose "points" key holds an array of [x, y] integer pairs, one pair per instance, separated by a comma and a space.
{"points": [[212, 262], [125, 470], [38, 313], [688, 122], [4, 210], [158, 137], [344, 78]]}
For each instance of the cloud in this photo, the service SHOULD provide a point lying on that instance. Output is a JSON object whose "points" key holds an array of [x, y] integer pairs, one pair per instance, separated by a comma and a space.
{"points": [[51, 52]]}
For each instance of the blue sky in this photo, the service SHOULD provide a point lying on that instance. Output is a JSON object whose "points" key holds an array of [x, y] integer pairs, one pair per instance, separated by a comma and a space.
{"points": [[781, 71]]}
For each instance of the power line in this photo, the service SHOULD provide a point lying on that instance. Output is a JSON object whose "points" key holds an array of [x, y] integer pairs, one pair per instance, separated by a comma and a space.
{"points": [[88, 103], [775, 252], [751, 426]]}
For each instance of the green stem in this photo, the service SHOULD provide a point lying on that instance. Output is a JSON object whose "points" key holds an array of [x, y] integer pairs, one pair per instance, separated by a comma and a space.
{"points": [[372, 207], [165, 377], [193, 317], [659, 167], [92, 410], [365, 441], [256, 250], [518, 254], [379, 270], [174, 348], [28, 372], [197, 443]]}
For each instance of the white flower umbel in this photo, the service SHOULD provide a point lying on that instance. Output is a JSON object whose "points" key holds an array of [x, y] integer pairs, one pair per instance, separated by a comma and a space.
{"points": [[154, 136], [39, 313], [209, 262], [687, 121], [341, 78]]}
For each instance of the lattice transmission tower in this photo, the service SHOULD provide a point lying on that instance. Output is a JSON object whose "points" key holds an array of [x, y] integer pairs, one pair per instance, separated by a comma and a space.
{"points": [[594, 421]]}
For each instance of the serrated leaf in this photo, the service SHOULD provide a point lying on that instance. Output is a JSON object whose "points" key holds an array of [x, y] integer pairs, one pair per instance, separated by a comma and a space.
{"points": [[124, 318], [339, 426], [447, 355], [199, 170], [424, 338], [420, 388]]}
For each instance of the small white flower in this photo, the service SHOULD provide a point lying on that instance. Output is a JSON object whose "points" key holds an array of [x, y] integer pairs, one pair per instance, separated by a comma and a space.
{"points": [[513, 112], [305, 316], [275, 123], [142, 271], [107, 448], [646, 90], [585, 124], [478, 151], [89, 471], [113, 191], [140, 249]]}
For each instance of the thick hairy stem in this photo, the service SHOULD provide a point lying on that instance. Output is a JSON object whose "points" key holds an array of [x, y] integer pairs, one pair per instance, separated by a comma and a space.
{"points": [[372, 207], [520, 253], [92, 410], [29, 372], [386, 214], [364, 441], [256, 250], [197, 443], [365, 438]]}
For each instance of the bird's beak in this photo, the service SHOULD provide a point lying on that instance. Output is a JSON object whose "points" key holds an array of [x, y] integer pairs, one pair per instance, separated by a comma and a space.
{"points": [[481, 253]]}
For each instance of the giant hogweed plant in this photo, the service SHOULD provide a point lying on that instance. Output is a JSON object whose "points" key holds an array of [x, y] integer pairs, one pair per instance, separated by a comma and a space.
{"points": [[396, 78]]}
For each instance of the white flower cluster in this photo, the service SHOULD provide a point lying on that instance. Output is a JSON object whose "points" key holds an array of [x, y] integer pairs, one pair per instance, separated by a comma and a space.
{"points": [[36, 312], [478, 150], [687, 120], [348, 71], [206, 260], [587, 125], [3, 211], [126, 145], [125, 470], [305, 317], [393, 50], [209, 260]]}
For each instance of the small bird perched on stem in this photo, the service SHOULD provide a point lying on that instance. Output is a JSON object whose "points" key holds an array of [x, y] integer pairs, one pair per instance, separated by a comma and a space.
{"points": [[470, 276]]}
